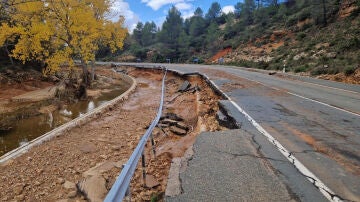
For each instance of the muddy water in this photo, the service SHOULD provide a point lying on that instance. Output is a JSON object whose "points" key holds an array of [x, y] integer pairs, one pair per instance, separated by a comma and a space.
{"points": [[27, 129]]}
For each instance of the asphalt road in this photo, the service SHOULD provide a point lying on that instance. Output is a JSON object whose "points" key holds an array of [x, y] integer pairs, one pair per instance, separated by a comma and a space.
{"points": [[315, 120]]}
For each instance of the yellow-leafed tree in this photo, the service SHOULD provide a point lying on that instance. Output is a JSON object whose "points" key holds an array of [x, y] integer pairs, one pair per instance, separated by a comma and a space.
{"points": [[58, 32]]}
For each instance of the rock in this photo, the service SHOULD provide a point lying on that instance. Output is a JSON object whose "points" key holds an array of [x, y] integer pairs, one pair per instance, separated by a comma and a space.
{"points": [[63, 200], [184, 86], [69, 185], [272, 73], [60, 181], [94, 188], [151, 182], [221, 118], [299, 56], [37, 183], [178, 131], [87, 147], [331, 55], [100, 168], [115, 147], [72, 194], [20, 197], [19, 188]]}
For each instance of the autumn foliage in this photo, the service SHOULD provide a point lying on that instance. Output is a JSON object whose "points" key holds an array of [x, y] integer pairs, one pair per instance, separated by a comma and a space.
{"points": [[58, 32]]}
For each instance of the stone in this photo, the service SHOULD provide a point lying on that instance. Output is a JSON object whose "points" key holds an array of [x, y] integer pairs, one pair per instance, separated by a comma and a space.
{"points": [[60, 181], [94, 188], [19, 188], [62, 200], [100, 168], [20, 197], [87, 148], [178, 131], [151, 182], [72, 194], [331, 55], [115, 147], [184, 86], [69, 185]]}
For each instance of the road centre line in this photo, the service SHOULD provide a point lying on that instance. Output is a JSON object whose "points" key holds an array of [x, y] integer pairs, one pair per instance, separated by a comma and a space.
{"points": [[306, 98], [316, 84], [310, 83]]}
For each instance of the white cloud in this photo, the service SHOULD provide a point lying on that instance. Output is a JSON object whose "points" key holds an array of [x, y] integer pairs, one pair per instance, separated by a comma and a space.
{"points": [[183, 6], [157, 4], [228, 9], [121, 8]]}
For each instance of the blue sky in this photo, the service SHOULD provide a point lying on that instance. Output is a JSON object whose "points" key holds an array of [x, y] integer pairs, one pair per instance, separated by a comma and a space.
{"points": [[156, 10]]}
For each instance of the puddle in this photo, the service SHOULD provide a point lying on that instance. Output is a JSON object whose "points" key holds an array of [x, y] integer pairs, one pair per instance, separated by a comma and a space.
{"points": [[27, 129]]}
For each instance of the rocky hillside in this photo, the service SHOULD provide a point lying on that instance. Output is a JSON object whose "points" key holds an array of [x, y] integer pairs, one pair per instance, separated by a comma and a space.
{"points": [[305, 46]]}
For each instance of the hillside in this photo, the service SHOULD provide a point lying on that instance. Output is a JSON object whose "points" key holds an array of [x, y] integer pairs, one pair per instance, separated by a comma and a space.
{"points": [[306, 37], [301, 45]]}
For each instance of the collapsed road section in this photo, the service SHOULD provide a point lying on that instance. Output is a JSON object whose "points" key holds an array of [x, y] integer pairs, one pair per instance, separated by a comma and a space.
{"points": [[83, 162]]}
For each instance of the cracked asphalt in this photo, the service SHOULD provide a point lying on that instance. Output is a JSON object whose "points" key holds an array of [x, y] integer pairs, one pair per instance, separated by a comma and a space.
{"points": [[234, 172], [317, 121]]}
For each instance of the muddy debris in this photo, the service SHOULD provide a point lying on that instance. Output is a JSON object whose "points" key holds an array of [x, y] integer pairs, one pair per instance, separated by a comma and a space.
{"points": [[92, 156]]}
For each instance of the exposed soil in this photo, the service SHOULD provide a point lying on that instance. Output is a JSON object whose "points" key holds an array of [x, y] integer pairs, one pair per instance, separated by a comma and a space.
{"points": [[50, 171], [341, 77]]}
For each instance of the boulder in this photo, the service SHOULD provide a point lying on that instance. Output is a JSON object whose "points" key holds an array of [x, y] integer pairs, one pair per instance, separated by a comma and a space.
{"points": [[93, 188], [184, 86]]}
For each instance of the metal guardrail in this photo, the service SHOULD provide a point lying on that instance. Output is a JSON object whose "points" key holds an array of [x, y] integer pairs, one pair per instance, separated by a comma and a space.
{"points": [[121, 185]]}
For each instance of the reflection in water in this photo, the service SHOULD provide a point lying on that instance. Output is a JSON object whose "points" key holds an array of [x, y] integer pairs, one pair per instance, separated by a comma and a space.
{"points": [[65, 112], [91, 106], [50, 120], [28, 129]]}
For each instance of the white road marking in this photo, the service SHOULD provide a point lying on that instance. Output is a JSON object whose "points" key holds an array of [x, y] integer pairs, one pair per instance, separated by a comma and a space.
{"points": [[327, 192], [306, 98], [344, 110], [301, 167], [316, 84]]}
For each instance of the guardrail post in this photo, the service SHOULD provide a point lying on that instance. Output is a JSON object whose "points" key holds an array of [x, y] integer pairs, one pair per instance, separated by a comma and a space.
{"points": [[128, 193], [153, 145], [143, 168]]}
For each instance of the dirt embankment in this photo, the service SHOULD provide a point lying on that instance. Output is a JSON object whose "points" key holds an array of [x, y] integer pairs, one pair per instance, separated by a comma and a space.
{"points": [[67, 167]]}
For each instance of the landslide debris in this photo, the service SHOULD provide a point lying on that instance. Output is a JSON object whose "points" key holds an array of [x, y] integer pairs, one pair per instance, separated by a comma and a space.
{"points": [[68, 167]]}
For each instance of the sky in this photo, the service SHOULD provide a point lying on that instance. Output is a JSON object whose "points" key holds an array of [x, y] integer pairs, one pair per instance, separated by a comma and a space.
{"points": [[156, 10]]}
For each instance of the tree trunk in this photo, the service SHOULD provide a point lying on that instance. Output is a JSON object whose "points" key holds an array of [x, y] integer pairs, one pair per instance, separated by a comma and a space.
{"points": [[92, 70], [8, 53], [324, 13], [85, 73]]}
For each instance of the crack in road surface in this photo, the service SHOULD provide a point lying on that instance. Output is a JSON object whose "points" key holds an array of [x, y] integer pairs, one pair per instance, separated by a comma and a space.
{"points": [[330, 195]]}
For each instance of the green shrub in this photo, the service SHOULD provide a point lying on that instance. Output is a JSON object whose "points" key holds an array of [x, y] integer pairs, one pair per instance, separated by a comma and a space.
{"points": [[302, 68], [349, 70], [300, 36], [324, 70]]}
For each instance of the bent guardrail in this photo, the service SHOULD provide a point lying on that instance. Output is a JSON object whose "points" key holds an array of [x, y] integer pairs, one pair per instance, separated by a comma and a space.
{"points": [[122, 183]]}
